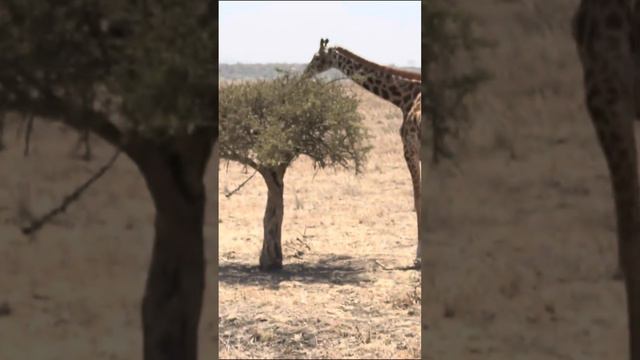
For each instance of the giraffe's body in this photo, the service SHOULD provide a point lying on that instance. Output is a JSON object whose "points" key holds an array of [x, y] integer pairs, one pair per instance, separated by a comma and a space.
{"points": [[399, 87], [605, 39]]}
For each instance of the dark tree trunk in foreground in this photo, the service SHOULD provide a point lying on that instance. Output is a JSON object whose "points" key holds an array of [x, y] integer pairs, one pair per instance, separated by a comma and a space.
{"points": [[173, 296], [609, 70], [271, 255], [215, 253], [2, 146]]}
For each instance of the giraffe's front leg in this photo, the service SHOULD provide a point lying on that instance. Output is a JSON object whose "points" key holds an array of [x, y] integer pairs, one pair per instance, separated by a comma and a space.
{"points": [[411, 145]]}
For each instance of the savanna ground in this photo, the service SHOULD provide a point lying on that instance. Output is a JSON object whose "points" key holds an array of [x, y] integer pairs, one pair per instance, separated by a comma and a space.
{"points": [[522, 241], [74, 290], [334, 298]]}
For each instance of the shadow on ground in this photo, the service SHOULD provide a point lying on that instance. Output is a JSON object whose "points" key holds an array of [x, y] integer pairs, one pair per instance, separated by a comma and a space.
{"points": [[334, 269]]}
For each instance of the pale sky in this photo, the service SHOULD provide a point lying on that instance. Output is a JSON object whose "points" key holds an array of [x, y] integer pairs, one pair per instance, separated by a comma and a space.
{"points": [[385, 32]]}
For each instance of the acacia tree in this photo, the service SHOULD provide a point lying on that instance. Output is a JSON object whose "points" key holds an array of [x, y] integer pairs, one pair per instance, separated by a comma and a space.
{"points": [[141, 75], [268, 124]]}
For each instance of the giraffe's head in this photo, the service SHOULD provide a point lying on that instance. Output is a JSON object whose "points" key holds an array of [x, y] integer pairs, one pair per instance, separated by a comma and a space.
{"points": [[321, 60]]}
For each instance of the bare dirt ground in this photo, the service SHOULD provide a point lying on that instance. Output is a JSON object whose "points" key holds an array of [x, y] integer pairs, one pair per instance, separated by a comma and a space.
{"points": [[74, 290], [522, 234], [333, 299]]}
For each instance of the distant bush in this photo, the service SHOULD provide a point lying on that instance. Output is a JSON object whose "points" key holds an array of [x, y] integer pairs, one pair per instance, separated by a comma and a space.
{"points": [[270, 71], [254, 71]]}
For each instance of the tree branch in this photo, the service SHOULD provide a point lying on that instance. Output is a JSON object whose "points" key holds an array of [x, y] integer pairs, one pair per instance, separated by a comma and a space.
{"points": [[49, 106], [230, 193], [74, 196], [27, 137], [242, 160]]}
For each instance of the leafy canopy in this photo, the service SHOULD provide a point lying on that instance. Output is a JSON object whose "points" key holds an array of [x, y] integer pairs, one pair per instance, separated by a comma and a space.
{"points": [[59, 58], [448, 37], [269, 123]]}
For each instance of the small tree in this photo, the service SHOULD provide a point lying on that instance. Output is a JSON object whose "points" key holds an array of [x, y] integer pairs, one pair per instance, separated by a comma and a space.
{"points": [[269, 123]]}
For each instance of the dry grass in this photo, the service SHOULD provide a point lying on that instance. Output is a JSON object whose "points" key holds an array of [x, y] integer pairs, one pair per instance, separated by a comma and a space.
{"points": [[522, 244], [74, 290], [333, 300]]}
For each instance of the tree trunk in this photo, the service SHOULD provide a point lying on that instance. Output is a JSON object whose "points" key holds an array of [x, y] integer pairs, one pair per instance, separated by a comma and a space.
{"points": [[611, 101], [173, 295], [422, 217], [624, 181], [271, 255], [215, 254], [2, 146]]}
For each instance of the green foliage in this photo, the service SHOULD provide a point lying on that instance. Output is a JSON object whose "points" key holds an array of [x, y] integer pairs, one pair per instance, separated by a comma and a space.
{"points": [[155, 56], [448, 36], [269, 123]]}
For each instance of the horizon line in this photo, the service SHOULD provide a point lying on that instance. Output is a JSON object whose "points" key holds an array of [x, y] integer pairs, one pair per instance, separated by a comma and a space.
{"points": [[288, 63]]}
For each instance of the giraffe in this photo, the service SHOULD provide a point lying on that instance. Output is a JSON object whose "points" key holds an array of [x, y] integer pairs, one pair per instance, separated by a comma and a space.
{"points": [[399, 87], [606, 36]]}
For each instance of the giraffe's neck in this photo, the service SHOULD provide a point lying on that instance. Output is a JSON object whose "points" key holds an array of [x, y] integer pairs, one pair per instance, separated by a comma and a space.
{"points": [[389, 84]]}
